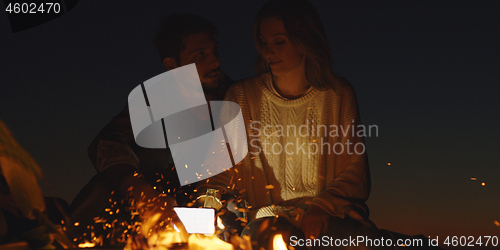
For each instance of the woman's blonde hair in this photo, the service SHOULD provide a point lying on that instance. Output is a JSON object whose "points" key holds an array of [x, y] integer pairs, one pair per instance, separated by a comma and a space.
{"points": [[305, 30]]}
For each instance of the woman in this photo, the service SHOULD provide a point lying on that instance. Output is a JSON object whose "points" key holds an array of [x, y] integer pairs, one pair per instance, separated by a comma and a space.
{"points": [[300, 165]]}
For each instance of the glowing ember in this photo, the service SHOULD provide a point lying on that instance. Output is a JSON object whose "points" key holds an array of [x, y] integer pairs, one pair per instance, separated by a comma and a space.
{"points": [[388, 164], [483, 184], [497, 223], [219, 223], [86, 244], [200, 242], [279, 243], [473, 178]]}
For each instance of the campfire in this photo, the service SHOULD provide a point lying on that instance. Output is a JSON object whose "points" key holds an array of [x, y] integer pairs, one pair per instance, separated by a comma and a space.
{"points": [[203, 226], [168, 236], [117, 230]]}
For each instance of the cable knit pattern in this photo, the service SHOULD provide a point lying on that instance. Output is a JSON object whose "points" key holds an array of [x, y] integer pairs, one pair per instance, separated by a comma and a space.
{"points": [[336, 181], [287, 120]]}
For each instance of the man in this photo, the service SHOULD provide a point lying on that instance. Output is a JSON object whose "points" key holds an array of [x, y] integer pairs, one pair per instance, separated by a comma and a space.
{"points": [[128, 170]]}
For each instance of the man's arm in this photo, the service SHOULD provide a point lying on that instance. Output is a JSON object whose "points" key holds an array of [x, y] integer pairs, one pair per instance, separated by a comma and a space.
{"points": [[113, 153], [119, 131]]}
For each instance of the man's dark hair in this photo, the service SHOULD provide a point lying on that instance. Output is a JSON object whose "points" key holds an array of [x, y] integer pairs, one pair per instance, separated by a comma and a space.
{"points": [[174, 28]]}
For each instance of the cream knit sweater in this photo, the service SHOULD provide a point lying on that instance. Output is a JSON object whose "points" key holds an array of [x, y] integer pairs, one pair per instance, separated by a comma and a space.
{"points": [[301, 151]]}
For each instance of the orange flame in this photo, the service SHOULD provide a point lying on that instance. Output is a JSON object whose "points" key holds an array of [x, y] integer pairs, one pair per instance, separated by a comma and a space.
{"points": [[86, 244], [219, 223], [279, 243], [200, 242]]}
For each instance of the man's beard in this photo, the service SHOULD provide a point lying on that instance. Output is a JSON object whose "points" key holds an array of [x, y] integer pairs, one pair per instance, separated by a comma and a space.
{"points": [[212, 86]]}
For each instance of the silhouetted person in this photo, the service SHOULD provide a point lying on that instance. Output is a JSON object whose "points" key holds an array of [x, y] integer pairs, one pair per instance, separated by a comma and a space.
{"points": [[141, 173]]}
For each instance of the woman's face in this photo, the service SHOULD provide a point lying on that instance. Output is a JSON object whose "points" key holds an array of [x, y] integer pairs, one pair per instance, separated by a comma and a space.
{"points": [[280, 53]]}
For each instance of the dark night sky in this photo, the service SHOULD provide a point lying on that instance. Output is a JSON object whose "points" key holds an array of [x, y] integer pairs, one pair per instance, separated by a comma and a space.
{"points": [[427, 73]]}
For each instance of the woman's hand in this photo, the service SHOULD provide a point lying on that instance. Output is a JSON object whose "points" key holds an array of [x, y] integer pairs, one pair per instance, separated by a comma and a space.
{"points": [[315, 221]]}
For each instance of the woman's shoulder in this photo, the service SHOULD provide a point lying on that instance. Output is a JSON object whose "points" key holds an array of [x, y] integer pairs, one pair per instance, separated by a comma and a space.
{"points": [[343, 87], [247, 84], [250, 89], [249, 81]]}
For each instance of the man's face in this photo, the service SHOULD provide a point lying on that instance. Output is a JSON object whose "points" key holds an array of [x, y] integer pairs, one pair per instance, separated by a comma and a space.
{"points": [[201, 49]]}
